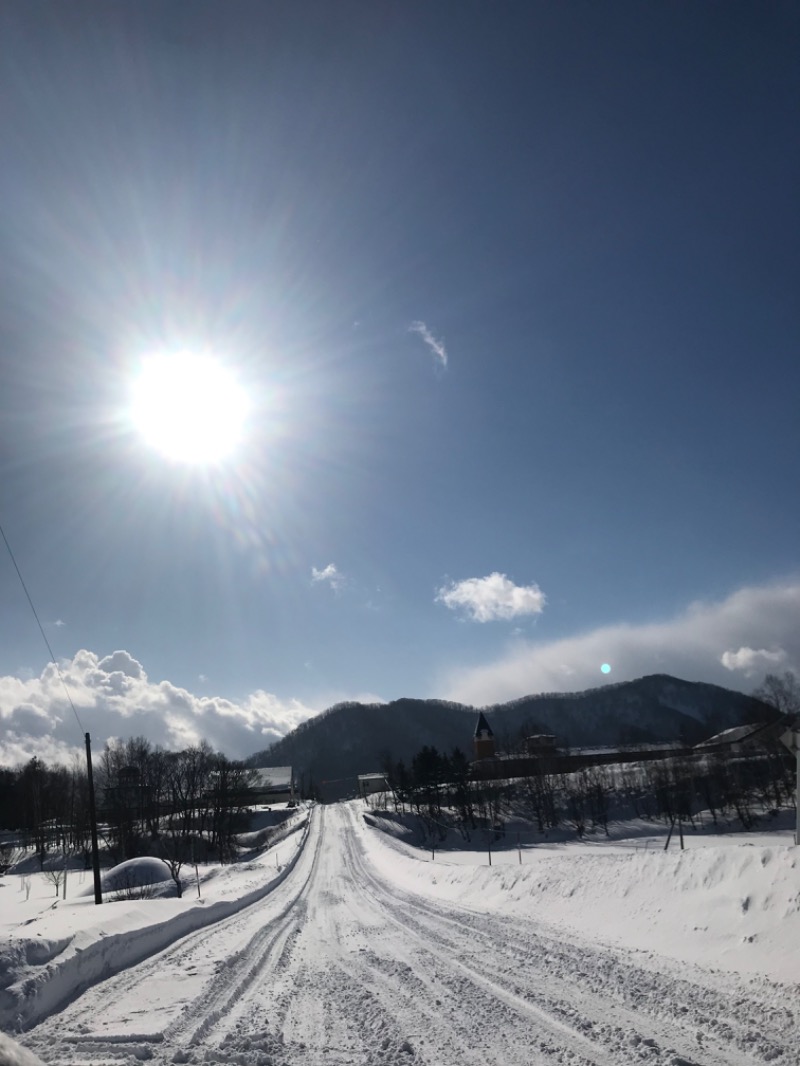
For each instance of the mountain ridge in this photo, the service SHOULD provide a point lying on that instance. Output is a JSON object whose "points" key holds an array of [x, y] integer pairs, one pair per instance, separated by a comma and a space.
{"points": [[350, 738]]}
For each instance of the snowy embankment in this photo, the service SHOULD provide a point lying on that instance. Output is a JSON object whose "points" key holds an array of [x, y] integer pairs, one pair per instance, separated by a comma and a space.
{"points": [[52, 958], [730, 902], [343, 964]]}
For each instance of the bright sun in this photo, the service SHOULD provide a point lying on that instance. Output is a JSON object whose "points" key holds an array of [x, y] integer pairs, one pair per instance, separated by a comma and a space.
{"points": [[190, 407]]}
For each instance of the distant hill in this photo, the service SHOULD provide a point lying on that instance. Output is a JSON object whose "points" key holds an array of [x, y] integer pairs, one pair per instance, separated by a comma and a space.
{"points": [[351, 738]]}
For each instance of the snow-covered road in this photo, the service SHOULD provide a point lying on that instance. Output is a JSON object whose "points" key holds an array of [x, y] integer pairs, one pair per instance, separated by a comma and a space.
{"points": [[338, 965]]}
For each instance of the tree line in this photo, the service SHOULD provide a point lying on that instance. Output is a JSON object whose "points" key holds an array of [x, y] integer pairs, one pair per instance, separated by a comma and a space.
{"points": [[178, 805], [442, 790], [447, 792]]}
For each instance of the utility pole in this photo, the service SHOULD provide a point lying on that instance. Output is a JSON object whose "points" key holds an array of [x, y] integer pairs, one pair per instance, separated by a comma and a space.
{"points": [[98, 894], [791, 740]]}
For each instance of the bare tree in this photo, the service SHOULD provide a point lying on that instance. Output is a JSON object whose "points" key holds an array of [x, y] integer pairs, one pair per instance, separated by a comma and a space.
{"points": [[188, 781], [539, 790], [176, 852], [229, 783], [599, 789], [175, 865], [781, 692], [576, 794], [55, 875], [131, 887]]}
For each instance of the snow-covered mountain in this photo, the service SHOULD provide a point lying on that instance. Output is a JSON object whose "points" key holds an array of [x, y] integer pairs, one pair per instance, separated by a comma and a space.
{"points": [[353, 738]]}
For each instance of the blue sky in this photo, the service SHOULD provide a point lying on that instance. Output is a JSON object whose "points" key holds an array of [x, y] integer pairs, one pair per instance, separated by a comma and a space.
{"points": [[511, 291]]}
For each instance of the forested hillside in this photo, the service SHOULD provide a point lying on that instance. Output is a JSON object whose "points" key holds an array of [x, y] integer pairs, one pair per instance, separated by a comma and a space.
{"points": [[352, 738]]}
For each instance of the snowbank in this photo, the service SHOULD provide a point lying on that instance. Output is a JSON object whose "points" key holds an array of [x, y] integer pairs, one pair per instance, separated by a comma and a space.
{"points": [[76, 944], [733, 905]]}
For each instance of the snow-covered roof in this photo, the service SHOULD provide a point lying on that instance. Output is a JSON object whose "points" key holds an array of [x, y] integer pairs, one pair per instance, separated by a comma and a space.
{"points": [[732, 735]]}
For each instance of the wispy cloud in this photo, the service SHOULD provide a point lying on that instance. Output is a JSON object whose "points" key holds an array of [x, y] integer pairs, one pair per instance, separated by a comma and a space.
{"points": [[329, 575], [752, 661], [492, 598], [707, 642], [434, 344]]}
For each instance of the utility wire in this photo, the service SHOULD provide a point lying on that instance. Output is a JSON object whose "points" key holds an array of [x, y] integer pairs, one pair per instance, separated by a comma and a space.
{"points": [[41, 629]]}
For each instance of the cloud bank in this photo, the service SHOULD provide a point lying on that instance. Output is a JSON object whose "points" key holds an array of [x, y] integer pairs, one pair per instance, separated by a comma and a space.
{"points": [[115, 698], [434, 345], [491, 599], [713, 642]]}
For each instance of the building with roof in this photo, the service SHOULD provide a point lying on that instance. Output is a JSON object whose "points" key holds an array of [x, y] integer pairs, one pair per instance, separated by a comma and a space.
{"points": [[271, 786], [483, 739], [372, 785]]}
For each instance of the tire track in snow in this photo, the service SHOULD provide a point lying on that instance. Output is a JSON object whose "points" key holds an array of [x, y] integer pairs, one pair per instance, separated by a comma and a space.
{"points": [[68, 1037], [708, 1033], [270, 944], [342, 1009], [343, 968], [614, 996], [488, 999]]}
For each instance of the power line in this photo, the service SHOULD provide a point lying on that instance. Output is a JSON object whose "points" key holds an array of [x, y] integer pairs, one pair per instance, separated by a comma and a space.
{"points": [[98, 892], [41, 628]]}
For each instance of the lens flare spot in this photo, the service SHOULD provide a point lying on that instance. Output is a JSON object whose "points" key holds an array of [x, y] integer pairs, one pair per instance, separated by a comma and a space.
{"points": [[605, 668]]}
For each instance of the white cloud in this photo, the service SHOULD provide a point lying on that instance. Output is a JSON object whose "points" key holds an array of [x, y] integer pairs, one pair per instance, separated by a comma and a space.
{"points": [[751, 661], [114, 697], [436, 346], [120, 662], [330, 574], [691, 645], [491, 599]]}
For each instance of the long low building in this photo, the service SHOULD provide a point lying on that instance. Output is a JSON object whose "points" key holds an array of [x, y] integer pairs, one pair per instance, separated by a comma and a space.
{"points": [[271, 785], [543, 757]]}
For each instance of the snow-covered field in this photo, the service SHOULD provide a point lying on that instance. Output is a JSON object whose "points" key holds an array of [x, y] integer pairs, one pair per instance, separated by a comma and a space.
{"points": [[363, 951]]}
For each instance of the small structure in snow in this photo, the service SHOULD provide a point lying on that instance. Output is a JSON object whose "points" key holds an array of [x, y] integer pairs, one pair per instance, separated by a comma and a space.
{"points": [[541, 744], [372, 784]]}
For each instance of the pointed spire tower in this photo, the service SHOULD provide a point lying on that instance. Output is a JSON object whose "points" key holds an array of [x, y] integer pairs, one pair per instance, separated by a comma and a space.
{"points": [[483, 739]]}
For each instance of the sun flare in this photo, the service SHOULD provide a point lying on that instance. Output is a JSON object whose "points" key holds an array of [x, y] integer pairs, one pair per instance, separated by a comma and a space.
{"points": [[189, 407]]}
